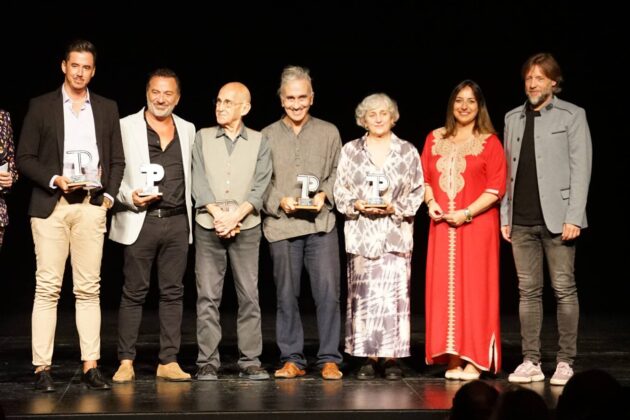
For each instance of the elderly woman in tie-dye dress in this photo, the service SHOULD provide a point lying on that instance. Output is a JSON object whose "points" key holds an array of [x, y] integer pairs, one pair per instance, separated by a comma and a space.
{"points": [[378, 236]]}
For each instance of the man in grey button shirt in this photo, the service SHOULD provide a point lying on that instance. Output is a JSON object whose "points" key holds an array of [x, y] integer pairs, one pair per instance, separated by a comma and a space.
{"points": [[303, 145], [549, 154], [231, 171]]}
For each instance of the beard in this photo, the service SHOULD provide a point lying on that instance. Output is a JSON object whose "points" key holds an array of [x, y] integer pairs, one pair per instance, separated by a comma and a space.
{"points": [[160, 113], [536, 101]]}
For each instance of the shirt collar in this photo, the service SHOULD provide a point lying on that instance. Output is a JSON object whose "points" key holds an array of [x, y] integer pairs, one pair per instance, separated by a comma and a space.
{"points": [[547, 107], [395, 144], [67, 98], [242, 134]]}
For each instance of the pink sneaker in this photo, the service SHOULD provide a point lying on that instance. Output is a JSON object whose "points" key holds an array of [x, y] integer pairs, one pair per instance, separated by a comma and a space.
{"points": [[562, 374], [527, 372]]}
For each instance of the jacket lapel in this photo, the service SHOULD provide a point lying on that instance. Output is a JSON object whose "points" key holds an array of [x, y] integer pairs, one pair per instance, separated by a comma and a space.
{"points": [[59, 125], [98, 124]]}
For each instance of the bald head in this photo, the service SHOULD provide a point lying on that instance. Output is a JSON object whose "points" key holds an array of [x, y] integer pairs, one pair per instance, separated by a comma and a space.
{"points": [[238, 90], [232, 104]]}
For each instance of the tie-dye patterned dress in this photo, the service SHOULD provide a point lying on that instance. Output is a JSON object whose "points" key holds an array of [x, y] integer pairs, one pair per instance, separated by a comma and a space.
{"points": [[379, 248]]}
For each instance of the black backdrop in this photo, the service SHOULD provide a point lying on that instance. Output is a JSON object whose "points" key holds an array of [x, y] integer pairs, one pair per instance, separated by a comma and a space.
{"points": [[414, 51]]}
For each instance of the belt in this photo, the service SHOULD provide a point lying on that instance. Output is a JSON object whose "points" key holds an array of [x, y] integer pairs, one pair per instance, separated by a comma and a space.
{"points": [[166, 212]]}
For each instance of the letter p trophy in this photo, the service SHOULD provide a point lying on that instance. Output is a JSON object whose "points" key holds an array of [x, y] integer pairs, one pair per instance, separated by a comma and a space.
{"points": [[379, 184], [310, 183], [154, 173]]}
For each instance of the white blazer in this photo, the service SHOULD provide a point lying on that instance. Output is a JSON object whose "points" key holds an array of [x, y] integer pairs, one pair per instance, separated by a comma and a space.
{"points": [[127, 223]]}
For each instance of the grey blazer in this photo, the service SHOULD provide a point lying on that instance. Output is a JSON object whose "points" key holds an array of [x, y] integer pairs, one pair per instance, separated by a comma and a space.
{"points": [[563, 162], [127, 223]]}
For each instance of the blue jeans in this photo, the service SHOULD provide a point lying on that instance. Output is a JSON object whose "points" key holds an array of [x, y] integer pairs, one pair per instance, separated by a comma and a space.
{"points": [[319, 253], [529, 244]]}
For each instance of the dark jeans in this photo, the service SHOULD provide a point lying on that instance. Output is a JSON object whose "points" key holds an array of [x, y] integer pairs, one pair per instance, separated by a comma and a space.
{"points": [[319, 253], [164, 240], [529, 244], [210, 267]]}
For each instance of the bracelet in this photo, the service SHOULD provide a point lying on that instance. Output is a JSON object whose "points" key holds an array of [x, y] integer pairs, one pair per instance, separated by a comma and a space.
{"points": [[468, 215]]}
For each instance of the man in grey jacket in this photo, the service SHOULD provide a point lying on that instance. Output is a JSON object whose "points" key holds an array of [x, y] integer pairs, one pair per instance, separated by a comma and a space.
{"points": [[549, 154]]}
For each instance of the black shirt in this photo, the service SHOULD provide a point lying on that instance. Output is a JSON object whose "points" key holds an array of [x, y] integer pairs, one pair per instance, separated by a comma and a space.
{"points": [[526, 205], [172, 186]]}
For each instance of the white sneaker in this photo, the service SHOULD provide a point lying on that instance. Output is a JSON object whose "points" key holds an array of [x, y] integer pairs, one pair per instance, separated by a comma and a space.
{"points": [[562, 374], [527, 372]]}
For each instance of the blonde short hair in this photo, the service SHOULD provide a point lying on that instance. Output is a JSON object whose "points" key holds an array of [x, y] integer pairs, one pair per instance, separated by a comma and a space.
{"points": [[371, 102]]}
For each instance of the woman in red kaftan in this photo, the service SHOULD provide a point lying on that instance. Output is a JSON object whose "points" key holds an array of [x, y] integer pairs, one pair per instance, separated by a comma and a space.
{"points": [[464, 168]]}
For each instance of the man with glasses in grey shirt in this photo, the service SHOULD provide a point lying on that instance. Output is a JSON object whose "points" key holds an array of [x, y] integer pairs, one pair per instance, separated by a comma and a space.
{"points": [[231, 171]]}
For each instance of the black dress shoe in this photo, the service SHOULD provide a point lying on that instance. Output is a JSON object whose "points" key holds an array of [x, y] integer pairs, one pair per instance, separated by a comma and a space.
{"points": [[94, 379], [44, 382], [368, 370], [392, 371]]}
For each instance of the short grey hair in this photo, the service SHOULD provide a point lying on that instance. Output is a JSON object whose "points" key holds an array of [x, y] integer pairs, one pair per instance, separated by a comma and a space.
{"points": [[291, 73], [371, 102]]}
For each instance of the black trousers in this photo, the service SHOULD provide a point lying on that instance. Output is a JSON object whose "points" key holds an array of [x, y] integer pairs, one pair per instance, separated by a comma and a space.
{"points": [[164, 241]]}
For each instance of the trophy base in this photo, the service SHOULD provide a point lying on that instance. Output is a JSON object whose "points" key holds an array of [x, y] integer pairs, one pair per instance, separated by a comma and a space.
{"points": [[305, 207], [304, 204], [375, 206], [86, 185]]}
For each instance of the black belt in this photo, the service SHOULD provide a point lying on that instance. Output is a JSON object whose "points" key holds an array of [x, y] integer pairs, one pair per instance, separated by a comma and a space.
{"points": [[166, 212]]}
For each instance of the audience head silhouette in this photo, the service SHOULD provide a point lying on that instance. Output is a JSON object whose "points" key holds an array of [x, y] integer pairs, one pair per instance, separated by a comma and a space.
{"points": [[591, 394], [474, 401], [518, 403]]}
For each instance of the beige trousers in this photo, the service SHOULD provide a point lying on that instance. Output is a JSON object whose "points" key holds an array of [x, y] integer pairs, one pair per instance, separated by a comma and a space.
{"points": [[77, 230]]}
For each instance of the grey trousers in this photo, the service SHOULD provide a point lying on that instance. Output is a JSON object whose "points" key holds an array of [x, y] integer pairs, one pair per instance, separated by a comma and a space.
{"points": [[210, 267], [529, 244]]}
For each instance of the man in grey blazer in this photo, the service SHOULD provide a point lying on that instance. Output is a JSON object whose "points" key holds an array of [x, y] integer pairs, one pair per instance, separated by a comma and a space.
{"points": [[549, 155], [154, 222], [68, 132]]}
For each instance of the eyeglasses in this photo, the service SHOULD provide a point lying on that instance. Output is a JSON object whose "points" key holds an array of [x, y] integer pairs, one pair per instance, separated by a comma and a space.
{"points": [[227, 104]]}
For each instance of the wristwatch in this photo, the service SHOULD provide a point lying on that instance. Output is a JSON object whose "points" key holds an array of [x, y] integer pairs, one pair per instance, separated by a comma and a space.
{"points": [[468, 215]]}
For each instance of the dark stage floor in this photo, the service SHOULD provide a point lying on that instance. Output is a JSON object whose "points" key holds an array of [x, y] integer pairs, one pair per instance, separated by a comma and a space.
{"points": [[604, 343]]}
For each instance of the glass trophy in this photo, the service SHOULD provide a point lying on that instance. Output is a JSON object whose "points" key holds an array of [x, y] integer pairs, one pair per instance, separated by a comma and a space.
{"points": [[154, 173], [378, 184], [79, 169], [4, 168], [310, 183]]}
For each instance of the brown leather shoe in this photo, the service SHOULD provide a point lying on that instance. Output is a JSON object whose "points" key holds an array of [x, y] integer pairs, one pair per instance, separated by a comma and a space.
{"points": [[288, 371], [124, 374], [331, 371], [172, 372]]}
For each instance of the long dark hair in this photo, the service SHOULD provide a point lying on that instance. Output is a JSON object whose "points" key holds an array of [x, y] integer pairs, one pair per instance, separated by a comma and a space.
{"points": [[483, 124]]}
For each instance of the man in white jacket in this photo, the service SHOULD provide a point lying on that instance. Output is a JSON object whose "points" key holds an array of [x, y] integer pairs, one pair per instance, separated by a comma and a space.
{"points": [[154, 223]]}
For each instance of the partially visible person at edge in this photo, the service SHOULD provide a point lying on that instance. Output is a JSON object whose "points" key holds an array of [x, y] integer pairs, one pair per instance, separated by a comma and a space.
{"points": [[8, 169], [464, 168], [303, 145], [231, 171], [66, 132], [154, 226], [379, 240], [549, 154]]}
